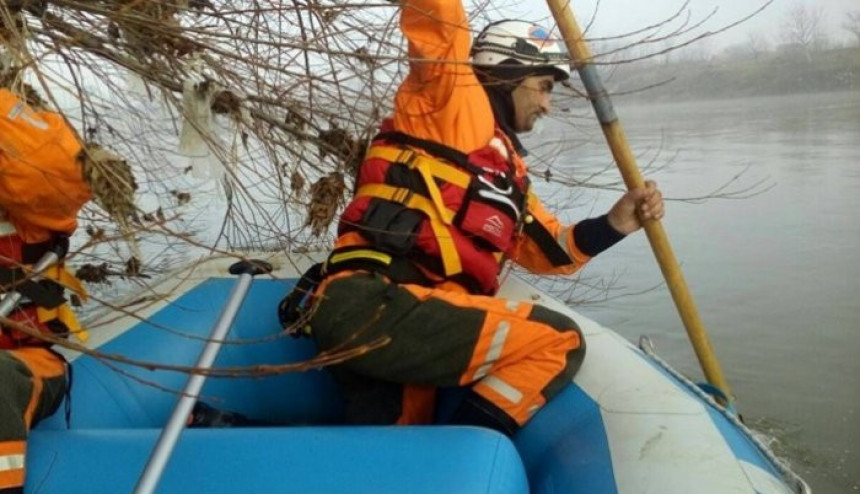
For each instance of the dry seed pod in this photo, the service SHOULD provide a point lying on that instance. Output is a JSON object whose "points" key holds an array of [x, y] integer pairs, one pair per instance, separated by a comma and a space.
{"points": [[326, 195], [295, 119], [92, 273], [297, 183], [96, 234], [133, 266], [111, 181], [181, 197], [226, 102], [112, 184]]}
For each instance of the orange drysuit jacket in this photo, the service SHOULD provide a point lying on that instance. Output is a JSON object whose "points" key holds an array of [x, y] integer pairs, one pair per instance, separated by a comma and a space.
{"points": [[42, 187], [442, 100]]}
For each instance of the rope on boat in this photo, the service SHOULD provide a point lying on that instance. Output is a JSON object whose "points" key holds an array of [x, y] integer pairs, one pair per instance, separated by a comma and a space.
{"points": [[800, 486]]}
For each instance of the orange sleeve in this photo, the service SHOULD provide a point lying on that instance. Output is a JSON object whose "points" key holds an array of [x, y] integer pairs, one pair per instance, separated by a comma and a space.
{"points": [[441, 99], [42, 187], [547, 246]]}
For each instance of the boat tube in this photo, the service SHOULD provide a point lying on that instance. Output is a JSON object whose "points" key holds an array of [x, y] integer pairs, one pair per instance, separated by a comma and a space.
{"points": [[627, 423]]}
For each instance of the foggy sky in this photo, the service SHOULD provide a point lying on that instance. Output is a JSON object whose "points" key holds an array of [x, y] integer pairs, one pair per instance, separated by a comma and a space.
{"points": [[616, 17]]}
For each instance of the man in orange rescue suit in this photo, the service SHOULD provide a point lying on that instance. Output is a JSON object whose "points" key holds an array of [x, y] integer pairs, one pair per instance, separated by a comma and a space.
{"points": [[41, 191], [442, 201]]}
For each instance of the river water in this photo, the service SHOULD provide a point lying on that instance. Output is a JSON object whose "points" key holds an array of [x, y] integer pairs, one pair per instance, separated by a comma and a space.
{"points": [[774, 270]]}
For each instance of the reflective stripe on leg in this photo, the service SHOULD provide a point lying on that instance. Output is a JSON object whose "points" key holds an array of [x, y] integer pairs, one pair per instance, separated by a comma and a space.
{"points": [[521, 356], [503, 389], [443, 338], [497, 343], [12, 464]]}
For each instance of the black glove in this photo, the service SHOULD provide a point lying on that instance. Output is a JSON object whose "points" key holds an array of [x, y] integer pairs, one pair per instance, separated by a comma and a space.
{"points": [[293, 310], [204, 415]]}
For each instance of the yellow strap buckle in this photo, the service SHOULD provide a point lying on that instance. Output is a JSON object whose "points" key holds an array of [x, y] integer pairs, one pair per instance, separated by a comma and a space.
{"points": [[64, 313]]}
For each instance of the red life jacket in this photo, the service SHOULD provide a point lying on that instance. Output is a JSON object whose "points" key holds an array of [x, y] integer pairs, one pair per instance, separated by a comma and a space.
{"points": [[455, 215], [43, 307]]}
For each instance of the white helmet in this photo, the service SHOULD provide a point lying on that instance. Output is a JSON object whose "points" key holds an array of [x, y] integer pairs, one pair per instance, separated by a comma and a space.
{"points": [[524, 42]]}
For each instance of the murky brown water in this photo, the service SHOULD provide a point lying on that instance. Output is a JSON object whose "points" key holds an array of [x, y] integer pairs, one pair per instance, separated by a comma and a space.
{"points": [[776, 276]]}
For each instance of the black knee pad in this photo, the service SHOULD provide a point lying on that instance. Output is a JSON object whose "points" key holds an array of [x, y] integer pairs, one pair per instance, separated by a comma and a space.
{"points": [[553, 319]]}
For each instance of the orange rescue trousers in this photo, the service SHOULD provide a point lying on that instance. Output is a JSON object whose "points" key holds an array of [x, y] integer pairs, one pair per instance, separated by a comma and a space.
{"points": [[32, 385], [515, 356]]}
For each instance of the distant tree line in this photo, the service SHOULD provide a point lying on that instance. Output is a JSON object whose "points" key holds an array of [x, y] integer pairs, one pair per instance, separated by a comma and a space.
{"points": [[798, 57], [800, 34]]}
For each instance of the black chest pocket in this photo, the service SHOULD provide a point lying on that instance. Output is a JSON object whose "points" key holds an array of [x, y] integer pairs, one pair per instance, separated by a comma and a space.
{"points": [[491, 211]]}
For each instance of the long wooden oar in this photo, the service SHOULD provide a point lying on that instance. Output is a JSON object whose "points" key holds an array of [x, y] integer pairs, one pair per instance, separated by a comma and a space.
{"points": [[617, 140]]}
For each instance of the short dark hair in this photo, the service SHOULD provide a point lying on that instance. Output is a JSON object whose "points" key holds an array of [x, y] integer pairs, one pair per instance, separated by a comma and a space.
{"points": [[510, 73]]}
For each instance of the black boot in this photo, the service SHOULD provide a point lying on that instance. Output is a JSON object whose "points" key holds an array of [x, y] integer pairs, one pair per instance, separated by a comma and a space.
{"points": [[479, 411], [204, 415]]}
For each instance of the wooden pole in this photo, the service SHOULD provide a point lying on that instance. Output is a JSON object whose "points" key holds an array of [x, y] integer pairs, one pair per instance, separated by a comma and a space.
{"points": [[617, 140]]}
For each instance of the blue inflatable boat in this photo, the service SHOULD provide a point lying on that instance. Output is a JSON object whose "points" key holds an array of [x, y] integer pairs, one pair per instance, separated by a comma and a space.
{"points": [[627, 423]]}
